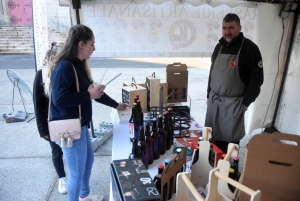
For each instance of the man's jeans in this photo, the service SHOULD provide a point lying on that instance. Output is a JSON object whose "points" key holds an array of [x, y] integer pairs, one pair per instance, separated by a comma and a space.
{"points": [[79, 158]]}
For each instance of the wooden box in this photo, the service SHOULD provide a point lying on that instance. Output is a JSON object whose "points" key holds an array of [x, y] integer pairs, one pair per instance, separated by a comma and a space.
{"points": [[129, 92], [153, 91]]}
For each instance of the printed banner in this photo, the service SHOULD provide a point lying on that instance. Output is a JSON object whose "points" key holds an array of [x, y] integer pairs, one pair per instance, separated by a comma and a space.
{"points": [[40, 32], [165, 30]]}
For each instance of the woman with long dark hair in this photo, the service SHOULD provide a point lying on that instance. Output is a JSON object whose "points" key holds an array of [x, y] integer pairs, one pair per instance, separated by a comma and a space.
{"points": [[64, 105]]}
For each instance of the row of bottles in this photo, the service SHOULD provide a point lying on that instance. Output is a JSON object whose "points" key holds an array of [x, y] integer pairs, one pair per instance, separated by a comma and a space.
{"points": [[150, 145]]}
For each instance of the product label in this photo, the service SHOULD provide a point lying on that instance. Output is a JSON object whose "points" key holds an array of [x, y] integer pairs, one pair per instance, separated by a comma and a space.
{"points": [[131, 130]]}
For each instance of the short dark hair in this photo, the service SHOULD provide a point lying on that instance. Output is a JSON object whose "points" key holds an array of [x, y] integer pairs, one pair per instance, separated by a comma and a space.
{"points": [[231, 17]]}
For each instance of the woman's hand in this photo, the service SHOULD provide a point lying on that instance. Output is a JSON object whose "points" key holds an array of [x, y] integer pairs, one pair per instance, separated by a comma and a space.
{"points": [[97, 92], [122, 106]]}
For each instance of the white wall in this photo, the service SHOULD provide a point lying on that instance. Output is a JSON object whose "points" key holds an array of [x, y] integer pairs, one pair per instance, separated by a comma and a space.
{"points": [[288, 117]]}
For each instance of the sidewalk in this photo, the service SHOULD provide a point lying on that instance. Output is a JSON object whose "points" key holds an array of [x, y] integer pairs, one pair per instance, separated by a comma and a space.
{"points": [[26, 169]]}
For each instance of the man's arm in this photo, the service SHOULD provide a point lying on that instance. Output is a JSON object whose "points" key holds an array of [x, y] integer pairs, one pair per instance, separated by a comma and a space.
{"points": [[256, 77], [213, 58]]}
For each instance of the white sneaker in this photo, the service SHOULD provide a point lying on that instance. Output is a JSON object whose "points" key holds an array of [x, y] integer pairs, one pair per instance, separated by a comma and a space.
{"points": [[62, 185], [91, 197]]}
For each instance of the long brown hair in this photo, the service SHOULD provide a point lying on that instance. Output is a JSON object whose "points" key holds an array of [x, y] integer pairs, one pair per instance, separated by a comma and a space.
{"points": [[70, 51]]}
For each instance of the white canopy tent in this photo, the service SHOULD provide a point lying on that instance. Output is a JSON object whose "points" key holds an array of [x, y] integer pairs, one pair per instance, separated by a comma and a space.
{"points": [[192, 29]]}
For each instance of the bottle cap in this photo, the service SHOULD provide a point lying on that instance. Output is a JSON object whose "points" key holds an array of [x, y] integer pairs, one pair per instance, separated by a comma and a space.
{"points": [[236, 158], [178, 150], [231, 170], [169, 108], [141, 127], [161, 166], [154, 119], [134, 104], [167, 160], [166, 112], [138, 101], [159, 115], [147, 123]]}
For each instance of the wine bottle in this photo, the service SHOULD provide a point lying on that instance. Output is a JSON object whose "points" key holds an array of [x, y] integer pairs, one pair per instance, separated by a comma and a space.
{"points": [[149, 141], [211, 156], [143, 146], [157, 178], [231, 175], [131, 123], [140, 113], [134, 150], [156, 138], [167, 128], [235, 166], [171, 124], [162, 134]]}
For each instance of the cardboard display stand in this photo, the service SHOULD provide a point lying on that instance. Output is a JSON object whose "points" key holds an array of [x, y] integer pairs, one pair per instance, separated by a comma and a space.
{"points": [[272, 165], [129, 92], [168, 176], [177, 79]]}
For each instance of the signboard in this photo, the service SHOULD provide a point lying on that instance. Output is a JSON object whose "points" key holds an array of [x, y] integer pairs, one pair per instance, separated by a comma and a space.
{"points": [[40, 32], [164, 30]]}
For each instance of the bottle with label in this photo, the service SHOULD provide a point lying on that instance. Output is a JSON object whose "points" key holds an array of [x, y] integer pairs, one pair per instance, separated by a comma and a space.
{"points": [[131, 123], [235, 166], [134, 150], [162, 134], [149, 141], [171, 123], [142, 147], [156, 138], [157, 178], [167, 128]]}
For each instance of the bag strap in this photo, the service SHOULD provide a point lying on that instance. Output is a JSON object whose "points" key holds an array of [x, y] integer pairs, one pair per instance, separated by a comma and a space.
{"points": [[77, 86]]}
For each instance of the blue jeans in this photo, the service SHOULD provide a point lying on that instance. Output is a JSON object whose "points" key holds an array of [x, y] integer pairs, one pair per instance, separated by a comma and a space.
{"points": [[79, 159]]}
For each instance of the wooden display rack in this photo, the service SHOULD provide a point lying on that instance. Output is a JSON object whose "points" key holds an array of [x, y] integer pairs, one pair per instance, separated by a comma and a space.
{"points": [[184, 187], [168, 176], [224, 166], [201, 169]]}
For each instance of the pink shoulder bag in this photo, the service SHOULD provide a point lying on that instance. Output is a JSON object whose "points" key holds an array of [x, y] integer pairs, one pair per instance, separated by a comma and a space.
{"points": [[67, 129]]}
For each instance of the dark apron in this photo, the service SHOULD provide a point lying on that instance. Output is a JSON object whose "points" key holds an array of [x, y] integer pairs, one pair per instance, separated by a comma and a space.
{"points": [[225, 111]]}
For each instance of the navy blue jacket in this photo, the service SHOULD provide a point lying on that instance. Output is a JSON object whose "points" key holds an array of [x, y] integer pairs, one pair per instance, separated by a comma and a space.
{"points": [[65, 98]]}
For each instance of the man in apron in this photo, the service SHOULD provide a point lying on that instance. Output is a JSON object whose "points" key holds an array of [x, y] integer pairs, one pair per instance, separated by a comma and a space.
{"points": [[235, 78]]}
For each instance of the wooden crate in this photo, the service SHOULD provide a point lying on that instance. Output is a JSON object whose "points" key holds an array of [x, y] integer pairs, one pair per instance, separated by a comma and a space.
{"points": [[129, 92], [153, 91]]}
